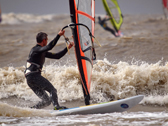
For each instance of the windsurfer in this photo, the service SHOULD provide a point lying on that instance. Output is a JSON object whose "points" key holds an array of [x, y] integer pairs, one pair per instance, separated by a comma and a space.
{"points": [[103, 23], [35, 62], [0, 14], [165, 8]]}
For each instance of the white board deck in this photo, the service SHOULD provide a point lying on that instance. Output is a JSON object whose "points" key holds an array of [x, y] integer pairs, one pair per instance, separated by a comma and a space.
{"points": [[107, 107]]}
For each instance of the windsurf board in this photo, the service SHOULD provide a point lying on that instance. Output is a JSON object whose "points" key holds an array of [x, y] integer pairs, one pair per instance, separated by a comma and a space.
{"points": [[101, 108]]}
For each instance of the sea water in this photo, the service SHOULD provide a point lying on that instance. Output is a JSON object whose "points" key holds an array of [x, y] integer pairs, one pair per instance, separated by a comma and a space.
{"points": [[127, 66]]}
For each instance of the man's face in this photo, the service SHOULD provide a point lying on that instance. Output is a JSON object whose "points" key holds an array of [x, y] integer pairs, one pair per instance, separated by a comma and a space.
{"points": [[45, 42]]}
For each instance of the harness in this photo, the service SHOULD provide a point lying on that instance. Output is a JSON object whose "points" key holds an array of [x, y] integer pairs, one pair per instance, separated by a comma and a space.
{"points": [[29, 66]]}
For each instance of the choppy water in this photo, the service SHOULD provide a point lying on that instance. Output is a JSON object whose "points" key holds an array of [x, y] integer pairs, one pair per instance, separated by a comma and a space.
{"points": [[130, 65]]}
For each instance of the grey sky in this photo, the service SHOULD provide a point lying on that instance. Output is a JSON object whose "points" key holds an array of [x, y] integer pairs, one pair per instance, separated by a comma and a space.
{"points": [[62, 6]]}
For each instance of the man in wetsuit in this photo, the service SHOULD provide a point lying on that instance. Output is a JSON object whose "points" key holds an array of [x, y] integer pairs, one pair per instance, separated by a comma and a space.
{"points": [[35, 62], [0, 14], [103, 23]]}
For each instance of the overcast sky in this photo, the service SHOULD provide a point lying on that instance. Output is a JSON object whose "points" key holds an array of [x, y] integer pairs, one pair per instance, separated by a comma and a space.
{"points": [[62, 6]]}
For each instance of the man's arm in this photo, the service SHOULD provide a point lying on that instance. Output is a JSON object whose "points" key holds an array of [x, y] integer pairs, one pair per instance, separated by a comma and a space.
{"points": [[60, 54], [55, 40], [56, 55]]}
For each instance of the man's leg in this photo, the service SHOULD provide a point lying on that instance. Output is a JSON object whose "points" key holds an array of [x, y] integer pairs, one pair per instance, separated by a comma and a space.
{"points": [[46, 85], [46, 101], [35, 83]]}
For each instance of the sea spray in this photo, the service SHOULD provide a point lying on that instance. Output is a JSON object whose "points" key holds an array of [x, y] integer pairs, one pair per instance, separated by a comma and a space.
{"points": [[109, 82]]}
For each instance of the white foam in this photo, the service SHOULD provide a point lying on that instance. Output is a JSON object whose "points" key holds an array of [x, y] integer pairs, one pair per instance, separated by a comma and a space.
{"points": [[109, 81], [12, 18]]}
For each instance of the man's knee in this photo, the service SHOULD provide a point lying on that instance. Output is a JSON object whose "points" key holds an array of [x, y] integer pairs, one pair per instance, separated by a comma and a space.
{"points": [[53, 91], [47, 102]]}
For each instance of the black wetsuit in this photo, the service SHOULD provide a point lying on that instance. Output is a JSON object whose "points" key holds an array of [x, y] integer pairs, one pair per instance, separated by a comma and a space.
{"points": [[104, 25], [0, 18], [35, 81]]}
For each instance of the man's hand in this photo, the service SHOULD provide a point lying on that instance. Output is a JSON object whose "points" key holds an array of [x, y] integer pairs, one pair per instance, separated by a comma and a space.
{"points": [[70, 45], [61, 32]]}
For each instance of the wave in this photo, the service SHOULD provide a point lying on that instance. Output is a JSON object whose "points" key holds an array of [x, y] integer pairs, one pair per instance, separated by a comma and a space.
{"points": [[12, 18], [109, 82], [14, 111]]}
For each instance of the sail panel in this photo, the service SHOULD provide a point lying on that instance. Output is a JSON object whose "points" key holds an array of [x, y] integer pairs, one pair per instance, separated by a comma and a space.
{"points": [[82, 11], [165, 8], [113, 10]]}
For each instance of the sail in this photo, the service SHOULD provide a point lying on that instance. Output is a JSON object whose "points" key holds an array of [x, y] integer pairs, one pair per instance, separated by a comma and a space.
{"points": [[165, 8], [113, 10], [83, 12]]}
